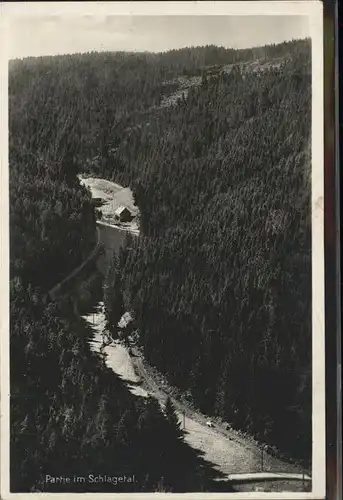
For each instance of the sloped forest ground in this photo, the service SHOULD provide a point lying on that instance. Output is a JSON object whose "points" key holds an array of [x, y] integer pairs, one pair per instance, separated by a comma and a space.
{"points": [[220, 279]]}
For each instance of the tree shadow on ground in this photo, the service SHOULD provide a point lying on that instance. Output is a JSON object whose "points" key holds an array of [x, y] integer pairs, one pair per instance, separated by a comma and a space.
{"points": [[202, 474]]}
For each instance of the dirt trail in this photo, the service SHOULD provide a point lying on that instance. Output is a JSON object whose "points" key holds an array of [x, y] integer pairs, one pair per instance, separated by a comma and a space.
{"points": [[230, 452], [225, 449]]}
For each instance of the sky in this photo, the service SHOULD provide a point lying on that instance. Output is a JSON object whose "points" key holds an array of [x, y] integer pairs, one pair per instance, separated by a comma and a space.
{"points": [[66, 34]]}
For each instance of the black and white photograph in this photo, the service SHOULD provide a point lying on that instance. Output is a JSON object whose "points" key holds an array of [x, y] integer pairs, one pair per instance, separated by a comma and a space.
{"points": [[163, 320]]}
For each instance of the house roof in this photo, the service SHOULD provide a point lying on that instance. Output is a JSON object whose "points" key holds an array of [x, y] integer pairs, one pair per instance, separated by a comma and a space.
{"points": [[121, 209]]}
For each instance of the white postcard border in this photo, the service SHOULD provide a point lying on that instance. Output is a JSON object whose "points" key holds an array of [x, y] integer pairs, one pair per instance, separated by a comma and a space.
{"points": [[313, 9]]}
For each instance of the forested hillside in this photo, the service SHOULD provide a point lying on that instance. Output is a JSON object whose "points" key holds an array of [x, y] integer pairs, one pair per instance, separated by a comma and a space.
{"points": [[91, 103], [219, 280], [52, 222], [70, 415]]}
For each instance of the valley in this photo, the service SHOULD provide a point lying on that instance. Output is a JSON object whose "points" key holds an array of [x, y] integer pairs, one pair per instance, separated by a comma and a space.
{"points": [[160, 263]]}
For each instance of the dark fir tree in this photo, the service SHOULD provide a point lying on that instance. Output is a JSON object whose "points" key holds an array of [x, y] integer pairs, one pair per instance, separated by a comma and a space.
{"points": [[174, 425]]}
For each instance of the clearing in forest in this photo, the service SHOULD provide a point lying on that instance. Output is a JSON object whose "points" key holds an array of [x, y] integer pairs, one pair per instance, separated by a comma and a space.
{"points": [[112, 196]]}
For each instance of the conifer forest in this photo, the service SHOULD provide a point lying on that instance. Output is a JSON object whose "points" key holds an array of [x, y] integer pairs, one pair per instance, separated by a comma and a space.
{"points": [[218, 281]]}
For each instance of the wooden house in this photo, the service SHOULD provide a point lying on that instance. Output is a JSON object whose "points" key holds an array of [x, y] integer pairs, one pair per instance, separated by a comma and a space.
{"points": [[123, 214]]}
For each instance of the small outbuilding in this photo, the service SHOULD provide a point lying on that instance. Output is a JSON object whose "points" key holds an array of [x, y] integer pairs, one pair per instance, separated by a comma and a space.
{"points": [[97, 202], [123, 214]]}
